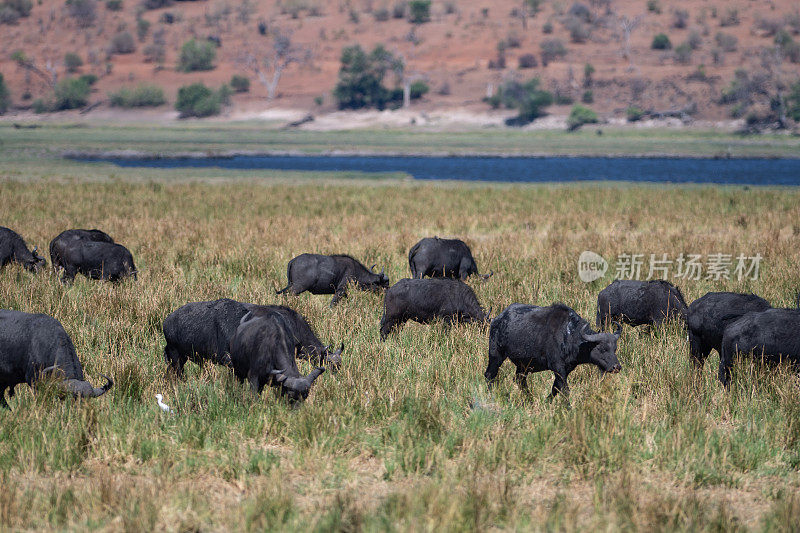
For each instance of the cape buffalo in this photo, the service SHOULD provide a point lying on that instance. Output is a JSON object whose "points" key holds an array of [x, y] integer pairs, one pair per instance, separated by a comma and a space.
{"points": [[551, 338], [97, 260], [262, 353], [771, 334], [32, 345], [69, 237], [442, 258], [709, 315], [13, 248], [330, 274], [640, 302], [425, 300], [201, 331]]}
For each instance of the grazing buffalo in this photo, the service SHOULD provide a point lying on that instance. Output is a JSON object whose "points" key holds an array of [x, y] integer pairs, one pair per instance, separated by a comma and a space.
{"points": [[551, 338], [330, 274], [640, 302], [97, 260], [262, 353], [67, 238], [426, 300], [442, 258], [13, 248], [709, 315], [201, 331], [771, 335], [32, 345], [306, 343]]}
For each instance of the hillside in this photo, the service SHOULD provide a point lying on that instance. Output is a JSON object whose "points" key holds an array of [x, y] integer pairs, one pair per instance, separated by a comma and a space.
{"points": [[456, 52]]}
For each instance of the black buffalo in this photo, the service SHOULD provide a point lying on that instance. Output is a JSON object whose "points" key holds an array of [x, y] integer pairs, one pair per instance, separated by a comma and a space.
{"points": [[13, 248], [32, 345], [67, 238], [709, 315], [97, 260], [771, 335], [640, 302], [426, 300], [200, 331], [330, 274], [262, 353], [442, 258], [551, 338]]}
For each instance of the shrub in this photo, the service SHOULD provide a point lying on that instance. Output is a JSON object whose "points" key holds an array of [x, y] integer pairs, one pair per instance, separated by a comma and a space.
{"points": [[679, 18], [123, 43], [156, 4], [793, 21], [551, 50], [142, 27], [769, 26], [240, 84], [83, 11], [581, 12], [578, 30], [793, 102], [419, 89], [513, 40], [579, 116], [683, 53], [527, 61], [5, 97], [71, 93], [8, 15], [89, 79], [197, 100], [547, 27], [528, 98], [140, 96], [661, 42], [419, 11], [40, 106], [399, 10], [587, 97], [197, 55], [726, 41], [114, 5], [717, 55], [361, 78], [695, 40], [319, 100], [154, 53], [72, 61], [381, 14], [634, 114], [654, 6], [730, 18]]}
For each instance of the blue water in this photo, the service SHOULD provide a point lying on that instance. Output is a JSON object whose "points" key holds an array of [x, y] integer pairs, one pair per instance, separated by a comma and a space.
{"points": [[514, 169]]}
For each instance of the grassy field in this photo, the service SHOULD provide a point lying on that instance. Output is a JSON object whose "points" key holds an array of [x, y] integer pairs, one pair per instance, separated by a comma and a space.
{"points": [[390, 442]]}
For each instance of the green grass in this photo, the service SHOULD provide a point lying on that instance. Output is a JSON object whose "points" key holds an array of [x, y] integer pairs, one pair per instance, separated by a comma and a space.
{"points": [[390, 442], [50, 139]]}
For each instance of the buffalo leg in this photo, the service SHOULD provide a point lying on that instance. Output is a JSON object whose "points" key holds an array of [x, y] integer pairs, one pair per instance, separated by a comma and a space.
{"points": [[255, 385], [725, 363], [174, 360], [560, 385], [341, 292], [698, 350], [387, 325]]}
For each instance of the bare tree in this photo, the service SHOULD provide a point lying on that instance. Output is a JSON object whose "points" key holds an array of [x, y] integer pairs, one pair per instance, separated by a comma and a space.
{"points": [[47, 73], [269, 66], [627, 26]]}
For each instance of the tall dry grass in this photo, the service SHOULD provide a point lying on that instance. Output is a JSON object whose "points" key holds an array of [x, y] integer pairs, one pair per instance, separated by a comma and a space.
{"points": [[390, 442]]}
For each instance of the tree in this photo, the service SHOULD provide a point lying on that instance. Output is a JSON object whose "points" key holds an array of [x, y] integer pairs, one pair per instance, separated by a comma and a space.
{"points": [[5, 97], [627, 26], [361, 78], [528, 98], [270, 66], [197, 55]]}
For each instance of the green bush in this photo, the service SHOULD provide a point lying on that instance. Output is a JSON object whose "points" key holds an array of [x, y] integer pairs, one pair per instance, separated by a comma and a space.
{"points": [[579, 116], [551, 50], [197, 100], [114, 5], [139, 96], [634, 114], [88, 79], [419, 11], [683, 53], [71, 93], [197, 55], [419, 89], [142, 27], [528, 98], [726, 41], [654, 6], [240, 84], [8, 15], [5, 97], [72, 61], [156, 4], [661, 42], [22, 7], [83, 11], [793, 102], [361, 78], [587, 97], [123, 43]]}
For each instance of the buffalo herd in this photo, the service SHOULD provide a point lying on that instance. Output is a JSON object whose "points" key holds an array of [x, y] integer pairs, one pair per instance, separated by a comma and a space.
{"points": [[261, 343]]}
